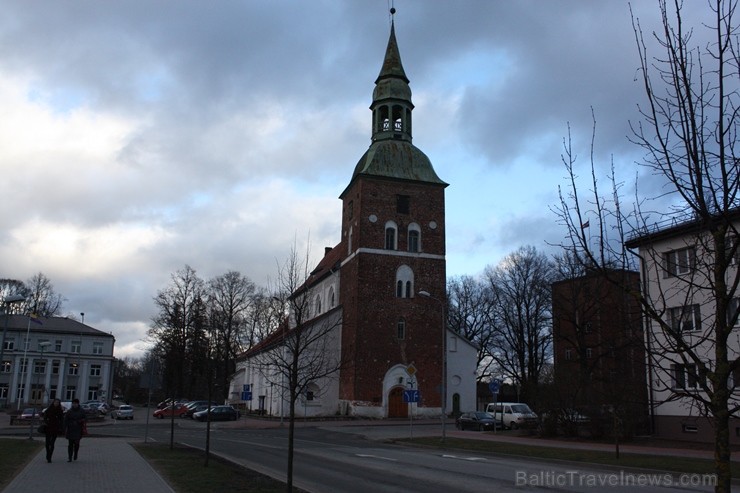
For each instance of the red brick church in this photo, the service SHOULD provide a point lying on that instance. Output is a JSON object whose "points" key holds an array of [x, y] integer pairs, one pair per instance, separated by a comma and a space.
{"points": [[384, 283]]}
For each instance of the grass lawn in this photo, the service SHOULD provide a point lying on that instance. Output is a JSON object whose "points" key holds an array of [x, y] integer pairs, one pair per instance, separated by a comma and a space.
{"points": [[655, 462], [14, 454], [184, 470]]}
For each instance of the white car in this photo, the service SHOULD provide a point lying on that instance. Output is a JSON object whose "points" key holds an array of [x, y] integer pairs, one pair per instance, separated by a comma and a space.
{"points": [[124, 411]]}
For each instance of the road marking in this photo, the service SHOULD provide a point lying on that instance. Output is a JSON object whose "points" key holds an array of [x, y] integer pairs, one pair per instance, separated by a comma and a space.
{"points": [[368, 456], [463, 458]]}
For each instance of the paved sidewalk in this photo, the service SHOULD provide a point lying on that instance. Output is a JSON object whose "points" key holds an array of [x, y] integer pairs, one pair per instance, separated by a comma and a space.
{"points": [[103, 465]]}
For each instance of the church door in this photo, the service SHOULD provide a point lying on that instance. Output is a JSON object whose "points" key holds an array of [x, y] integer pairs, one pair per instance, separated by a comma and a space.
{"points": [[396, 407]]}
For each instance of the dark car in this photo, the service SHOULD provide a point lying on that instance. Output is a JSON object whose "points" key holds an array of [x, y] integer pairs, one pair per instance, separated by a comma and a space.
{"points": [[218, 413], [478, 420]]}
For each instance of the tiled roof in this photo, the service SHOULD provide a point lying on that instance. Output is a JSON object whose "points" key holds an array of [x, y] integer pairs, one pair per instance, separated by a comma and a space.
{"points": [[60, 325]]}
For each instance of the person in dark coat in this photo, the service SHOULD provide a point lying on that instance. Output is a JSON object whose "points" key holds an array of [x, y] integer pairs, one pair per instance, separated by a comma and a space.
{"points": [[53, 419], [74, 420]]}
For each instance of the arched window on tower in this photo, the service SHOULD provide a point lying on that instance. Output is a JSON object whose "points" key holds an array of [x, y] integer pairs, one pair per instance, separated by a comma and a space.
{"points": [[384, 121], [349, 241], [414, 238], [317, 305], [397, 118], [404, 282], [332, 299], [391, 236]]}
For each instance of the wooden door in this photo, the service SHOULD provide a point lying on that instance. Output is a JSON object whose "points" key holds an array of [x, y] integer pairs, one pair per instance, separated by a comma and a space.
{"points": [[396, 407]]}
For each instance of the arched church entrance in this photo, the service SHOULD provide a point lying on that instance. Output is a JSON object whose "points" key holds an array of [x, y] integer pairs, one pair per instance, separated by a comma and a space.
{"points": [[396, 407]]}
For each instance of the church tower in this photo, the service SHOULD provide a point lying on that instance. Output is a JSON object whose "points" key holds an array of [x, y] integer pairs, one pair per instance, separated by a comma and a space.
{"points": [[393, 242]]}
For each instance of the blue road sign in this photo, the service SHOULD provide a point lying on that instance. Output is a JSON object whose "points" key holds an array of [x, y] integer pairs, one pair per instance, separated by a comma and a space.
{"points": [[246, 396], [245, 387], [411, 395], [494, 386]]}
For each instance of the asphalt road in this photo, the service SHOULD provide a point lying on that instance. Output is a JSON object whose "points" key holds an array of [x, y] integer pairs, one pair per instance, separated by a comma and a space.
{"points": [[338, 459]]}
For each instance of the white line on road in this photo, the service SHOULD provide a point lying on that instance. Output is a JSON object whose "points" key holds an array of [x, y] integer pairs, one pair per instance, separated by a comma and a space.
{"points": [[368, 456], [463, 458]]}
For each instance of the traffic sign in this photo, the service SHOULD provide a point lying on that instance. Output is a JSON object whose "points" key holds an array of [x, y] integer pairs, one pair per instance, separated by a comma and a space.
{"points": [[494, 386], [246, 396], [411, 395]]}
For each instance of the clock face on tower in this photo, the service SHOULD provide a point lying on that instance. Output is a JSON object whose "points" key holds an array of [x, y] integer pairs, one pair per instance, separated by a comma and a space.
{"points": [[373, 218]]}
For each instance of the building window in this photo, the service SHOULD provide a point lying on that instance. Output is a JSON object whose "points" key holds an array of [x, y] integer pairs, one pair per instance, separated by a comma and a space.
{"points": [[39, 367], [568, 354], [679, 262], [7, 367], [74, 369], [452, 346], [403, 204], [37, 392], [391, 236], [92, 393], [69, 392], [587, 328], [20, 392], [732, 312], [685, 318], [58, 346], [52, 393], [24, 366], [414, 239], [404, 282], [75, 348], [687, 377], [97, 348], [589, 352], [55, 367], [317, 305], [332, 301], [312, 394], [9, 344], [401, 329], [45, 342], [95, 370], [3, 391]]}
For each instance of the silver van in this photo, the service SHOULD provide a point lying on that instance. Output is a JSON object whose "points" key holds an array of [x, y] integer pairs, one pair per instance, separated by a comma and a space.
{"points": [[513, 414]]}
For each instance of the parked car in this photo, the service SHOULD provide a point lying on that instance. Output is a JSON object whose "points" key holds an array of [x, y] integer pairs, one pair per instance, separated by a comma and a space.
{"points": [[91, 410], [513, 414], [478, 420], [218, 413], [124, 411], [194, 409], [168, 411], [30, 413]]}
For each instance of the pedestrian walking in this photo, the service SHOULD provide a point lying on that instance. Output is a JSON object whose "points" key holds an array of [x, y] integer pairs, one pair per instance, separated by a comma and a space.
{"points": [[53, 420], [74, 423]]}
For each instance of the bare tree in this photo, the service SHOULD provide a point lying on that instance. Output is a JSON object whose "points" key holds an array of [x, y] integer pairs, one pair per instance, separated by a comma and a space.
{"points": [[520, 290], [305, 351], [469, 314], [41, 297], [688, 131], [230, 299]]}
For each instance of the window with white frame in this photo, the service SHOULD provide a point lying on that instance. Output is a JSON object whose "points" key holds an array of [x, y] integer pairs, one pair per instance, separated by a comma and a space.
{"points": [[6, 367], [9, 344], [732, 312], [679, 262], [39, 366], [75, 347], [3, 390], [404, 282], [23, 366], [74, 369], [20, 393], [414, 238], [317, 304], [97, 348], [55, 367], [332, 299], [391, 236], [95, 370], [686, 376], [92, 393], [70, 392], [685, 318], [58, 346]]}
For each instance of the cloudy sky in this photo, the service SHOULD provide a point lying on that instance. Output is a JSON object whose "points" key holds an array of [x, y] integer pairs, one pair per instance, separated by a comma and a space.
{"points": [[140, 136]]}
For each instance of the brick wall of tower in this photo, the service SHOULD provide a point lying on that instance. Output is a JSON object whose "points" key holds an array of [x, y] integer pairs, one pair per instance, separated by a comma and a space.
{"points": [[370, 307]]}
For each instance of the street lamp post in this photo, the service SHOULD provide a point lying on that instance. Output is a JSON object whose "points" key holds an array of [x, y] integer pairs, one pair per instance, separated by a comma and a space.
{"points": [[42, 345], [16, 298], [443, 387]]}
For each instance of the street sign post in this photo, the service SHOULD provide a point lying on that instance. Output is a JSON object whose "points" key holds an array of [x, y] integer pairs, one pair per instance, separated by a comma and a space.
{"points": [[411, 395], [494, 386]]}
